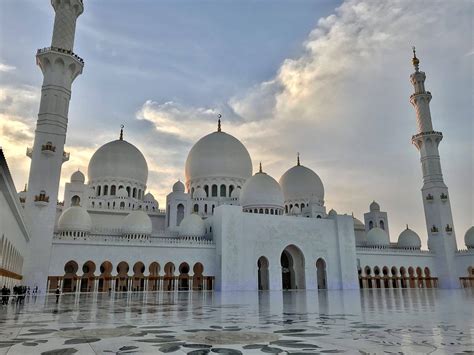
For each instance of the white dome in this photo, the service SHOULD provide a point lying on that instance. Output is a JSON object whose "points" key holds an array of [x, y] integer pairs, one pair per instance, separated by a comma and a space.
{"points": [[374, 207], [178, 186], [261, 190], [136, 222], [301, 183], [469, 238], [295, 210], [75, 219], [377, 237], [358, 224], [409, 239], [236, 193], [149, 198], [199, 193], [218, 155], [122, 193], [192, 226], [78, 176], [118, 159]]}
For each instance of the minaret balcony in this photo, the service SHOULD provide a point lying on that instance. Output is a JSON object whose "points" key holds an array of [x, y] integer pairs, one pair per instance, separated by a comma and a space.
{"points": [[42, 199], [448, 229], [62, 51], [429, 198], [427, 134], [66, 156], [443, 197]]}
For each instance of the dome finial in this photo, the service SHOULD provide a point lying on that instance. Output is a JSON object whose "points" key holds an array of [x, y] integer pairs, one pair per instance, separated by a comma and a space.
{"points": [[407, 226], [219, 122], [260, 169], [121, 132], [415, 60], [298, 159]]}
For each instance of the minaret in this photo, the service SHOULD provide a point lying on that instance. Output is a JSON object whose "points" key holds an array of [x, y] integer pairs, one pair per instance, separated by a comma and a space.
{"points": [[439, 220], [60, 66]]}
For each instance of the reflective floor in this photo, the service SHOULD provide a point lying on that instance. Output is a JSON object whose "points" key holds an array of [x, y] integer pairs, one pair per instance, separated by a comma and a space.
{"points": [[354, 322]]}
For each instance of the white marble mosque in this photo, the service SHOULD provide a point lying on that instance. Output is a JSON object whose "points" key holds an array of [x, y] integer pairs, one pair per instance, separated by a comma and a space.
{"points": [[224, 228]]}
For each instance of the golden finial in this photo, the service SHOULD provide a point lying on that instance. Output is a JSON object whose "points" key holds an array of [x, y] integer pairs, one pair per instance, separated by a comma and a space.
{"points": [[219, 122], [121, 132], [415, 60], [298, 159], [260, 169]]}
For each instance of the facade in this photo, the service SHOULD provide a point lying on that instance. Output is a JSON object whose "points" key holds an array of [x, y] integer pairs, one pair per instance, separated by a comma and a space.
{"points": [[223, 228]]}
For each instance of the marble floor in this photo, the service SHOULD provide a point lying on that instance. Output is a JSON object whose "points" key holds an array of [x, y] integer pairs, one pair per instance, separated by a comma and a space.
{"points": [[327, 322]]}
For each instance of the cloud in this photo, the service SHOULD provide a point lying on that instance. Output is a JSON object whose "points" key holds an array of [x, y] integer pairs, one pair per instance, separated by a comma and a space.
{"points": [[6, 68], [344, 104]]}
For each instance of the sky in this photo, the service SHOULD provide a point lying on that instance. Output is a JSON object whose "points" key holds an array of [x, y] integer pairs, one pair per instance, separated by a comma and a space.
{"points": [[328, 79]]}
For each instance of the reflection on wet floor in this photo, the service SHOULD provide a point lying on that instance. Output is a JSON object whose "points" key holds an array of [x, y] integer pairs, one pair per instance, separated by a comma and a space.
{"points": [[368, 321]]}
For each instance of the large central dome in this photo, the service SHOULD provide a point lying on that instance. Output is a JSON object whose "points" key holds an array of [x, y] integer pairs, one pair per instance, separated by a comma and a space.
{"points": [[218, 155], [118, 159]]}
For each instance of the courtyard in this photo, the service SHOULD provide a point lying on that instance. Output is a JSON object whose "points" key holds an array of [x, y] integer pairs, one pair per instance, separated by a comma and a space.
{"points": [[294, 322]]}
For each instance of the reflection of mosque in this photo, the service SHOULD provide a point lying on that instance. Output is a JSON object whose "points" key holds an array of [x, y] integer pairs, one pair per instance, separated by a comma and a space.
{"points": [[225, 227]]}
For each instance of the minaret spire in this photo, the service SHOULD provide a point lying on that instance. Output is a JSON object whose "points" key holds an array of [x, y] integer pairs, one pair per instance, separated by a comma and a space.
{"points": [[121, 132], [437, 207], [219, 122], [298, 159], [260, 168], [60, 66]]}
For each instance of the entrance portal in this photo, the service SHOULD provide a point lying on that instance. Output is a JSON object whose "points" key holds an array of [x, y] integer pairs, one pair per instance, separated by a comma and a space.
{"points": [[263, 282], [292, 268]]}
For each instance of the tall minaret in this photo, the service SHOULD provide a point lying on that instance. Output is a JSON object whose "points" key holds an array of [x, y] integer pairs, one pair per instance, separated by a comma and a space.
{"points": [[60, 66], [439, 219]]}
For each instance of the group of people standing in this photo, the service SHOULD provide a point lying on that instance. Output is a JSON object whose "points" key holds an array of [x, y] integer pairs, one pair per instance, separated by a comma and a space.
{"points": [[19, 294]]}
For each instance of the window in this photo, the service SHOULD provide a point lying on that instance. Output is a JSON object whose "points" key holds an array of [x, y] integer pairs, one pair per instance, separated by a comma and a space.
{"points": [[214, 190], [196, 208], [205, 208], [106, 190], [179, 214], [223, 190], [231, 188], [134, 192], [98, 190], [371, 224], [128, 191], [382, 225], [113, 190], [206, 189]]}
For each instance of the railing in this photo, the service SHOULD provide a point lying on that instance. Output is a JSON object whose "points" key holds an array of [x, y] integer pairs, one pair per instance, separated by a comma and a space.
{"points": [[431, 133], [393, 249], [48, 147], [41, 198], [60, 50], [115, 239]]}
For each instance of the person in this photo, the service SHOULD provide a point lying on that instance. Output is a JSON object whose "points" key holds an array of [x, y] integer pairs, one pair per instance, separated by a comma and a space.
{"points": [[58, 293], [5, 295]]}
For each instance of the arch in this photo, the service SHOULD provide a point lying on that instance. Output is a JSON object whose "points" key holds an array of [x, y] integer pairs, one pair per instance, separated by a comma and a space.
{"points": [[231, 188], [88, 277], [70, 276], [196, 208], [214, 190], [419, 276], [128, 189], [223, 190], [122, 205], [321, 274], [263, 274], [403, 277], [168, 279], [75, 200], [371, 224], [105, 277], [394, 272], [183, 277], [134, 192], [293, 268], [206, 190], [113, 190], [153, 278], [138, 283], [198, 277], [106, 190], [411, 275], [98, 190], [382, 224], [179, 213], [121, 283]]}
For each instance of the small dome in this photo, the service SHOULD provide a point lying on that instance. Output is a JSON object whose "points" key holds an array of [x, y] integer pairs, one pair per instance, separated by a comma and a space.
{"points": [[136, 222], [358, 224], [469, 238], [261, 190], [332, 212], [178, 186], [377, 237], [218, 155], [118, 159], [236, 193], [78, 176], [295, 210], [301, 183], [199, 193], [149, 198], [409, 239], [122, 193], [75, 219], [192, 226], [374, 207]]}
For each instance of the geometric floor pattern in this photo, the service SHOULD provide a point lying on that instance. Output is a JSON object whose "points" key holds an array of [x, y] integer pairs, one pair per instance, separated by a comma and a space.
{"points": [[390, 321]]}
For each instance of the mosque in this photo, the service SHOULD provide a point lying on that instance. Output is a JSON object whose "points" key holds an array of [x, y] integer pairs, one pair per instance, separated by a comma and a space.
{"points": [[224, 228]]}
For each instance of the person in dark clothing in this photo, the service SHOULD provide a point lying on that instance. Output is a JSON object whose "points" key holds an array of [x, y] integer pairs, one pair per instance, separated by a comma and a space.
{"points": [[5, 292], [58, 293]]}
